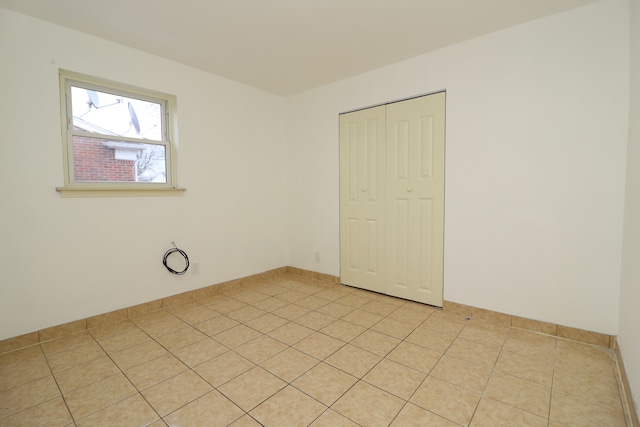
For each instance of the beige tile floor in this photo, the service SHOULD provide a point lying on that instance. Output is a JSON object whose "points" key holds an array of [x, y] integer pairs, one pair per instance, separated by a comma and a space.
{"points": [[291, 351]]}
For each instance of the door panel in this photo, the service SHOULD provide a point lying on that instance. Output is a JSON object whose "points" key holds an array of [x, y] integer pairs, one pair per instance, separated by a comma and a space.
{"points": [[425, 232], [372, 247], [415, 171], [362, 198], [426, 147], [400, 257], [352, 244], [401, 149]]}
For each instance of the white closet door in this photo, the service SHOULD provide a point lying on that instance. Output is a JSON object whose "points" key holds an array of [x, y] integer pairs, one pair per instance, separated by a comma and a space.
{"points": [[362, 199], [415, 198]]}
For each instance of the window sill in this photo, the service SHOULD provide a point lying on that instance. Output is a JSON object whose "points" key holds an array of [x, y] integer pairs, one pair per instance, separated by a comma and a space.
{"points": [[133, 192]]}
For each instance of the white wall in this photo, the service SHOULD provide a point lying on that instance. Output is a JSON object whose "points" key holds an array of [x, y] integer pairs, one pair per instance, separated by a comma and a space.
{"points": [[537, 121], [535, 164], [66, 259], [629, 332]]}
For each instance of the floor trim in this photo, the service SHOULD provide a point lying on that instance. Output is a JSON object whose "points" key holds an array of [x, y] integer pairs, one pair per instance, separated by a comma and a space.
{"points": [[628, 405], [47, 334]]}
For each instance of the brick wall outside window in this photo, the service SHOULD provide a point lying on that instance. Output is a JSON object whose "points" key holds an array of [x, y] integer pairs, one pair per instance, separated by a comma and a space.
{"points": [[92, 161]]}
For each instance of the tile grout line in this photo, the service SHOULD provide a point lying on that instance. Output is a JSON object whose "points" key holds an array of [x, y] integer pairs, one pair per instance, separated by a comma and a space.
{"points": [[258, 365], [346, 343], [553, 379], [358, 379], [407, 401], [62, 396], [288, 346], [126, 376], [439, 359], [493, 370]]}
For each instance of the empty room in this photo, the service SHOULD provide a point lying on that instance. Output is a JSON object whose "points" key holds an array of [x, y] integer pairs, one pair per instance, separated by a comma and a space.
{"points": [[320, 213]]}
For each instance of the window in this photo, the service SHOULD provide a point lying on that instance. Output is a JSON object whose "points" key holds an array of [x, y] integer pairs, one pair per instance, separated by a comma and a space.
{"points": [[116, 138]]}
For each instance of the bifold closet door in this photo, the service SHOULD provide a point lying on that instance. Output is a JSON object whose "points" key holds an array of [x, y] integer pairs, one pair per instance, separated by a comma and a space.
{"points": [[415, 198], [392, 198], [362, 199]]}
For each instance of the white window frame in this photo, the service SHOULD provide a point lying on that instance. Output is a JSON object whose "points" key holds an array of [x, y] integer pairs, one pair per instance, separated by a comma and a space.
{"points": [[74, 188]]}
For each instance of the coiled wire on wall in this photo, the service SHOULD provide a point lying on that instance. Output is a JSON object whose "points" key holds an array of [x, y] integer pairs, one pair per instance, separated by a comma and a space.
{"points": [[181, 252]]}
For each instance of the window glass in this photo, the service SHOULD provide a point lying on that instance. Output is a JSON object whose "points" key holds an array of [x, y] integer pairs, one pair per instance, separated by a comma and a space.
{"points": [[103, 112]]}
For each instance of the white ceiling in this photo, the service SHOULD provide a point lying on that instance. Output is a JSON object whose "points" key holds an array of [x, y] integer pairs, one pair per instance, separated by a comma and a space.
{"points": [[288, 46]]}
